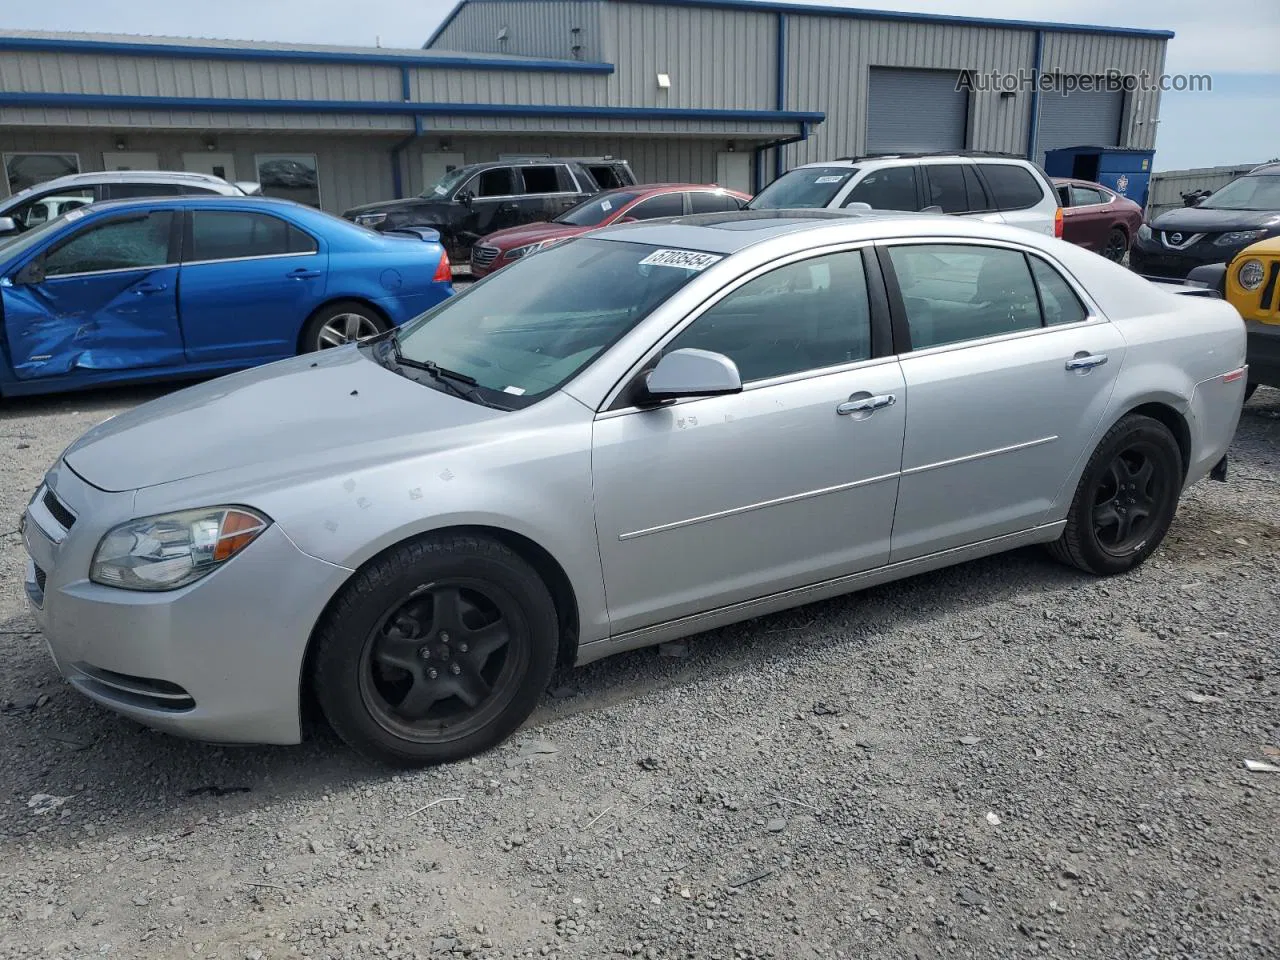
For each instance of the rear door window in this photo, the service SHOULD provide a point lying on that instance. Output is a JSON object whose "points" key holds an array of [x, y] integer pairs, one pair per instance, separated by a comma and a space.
{"points": [[125, 191], [892, 188], [609, 175], [667, 205], [975, 193], [946, 188], [1058, 301], [237, 234], [1086, 196], [1013, 187], [541, 180], [707, 201]]}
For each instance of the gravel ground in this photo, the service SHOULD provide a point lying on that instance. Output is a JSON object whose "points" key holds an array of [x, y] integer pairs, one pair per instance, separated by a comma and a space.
{"points": [[1006, 758]]}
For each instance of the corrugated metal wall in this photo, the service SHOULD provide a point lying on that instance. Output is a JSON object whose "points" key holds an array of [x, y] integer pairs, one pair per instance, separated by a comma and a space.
{"points": [[543, 29], [1092, 54], [1167, 187], [168, 77], [653, 160], [492, 86], [717, 59], [828, 59], [352, 170]]}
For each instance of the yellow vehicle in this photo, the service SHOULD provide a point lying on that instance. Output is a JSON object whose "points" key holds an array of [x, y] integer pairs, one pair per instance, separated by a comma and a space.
{"points": [[1251, 283]]}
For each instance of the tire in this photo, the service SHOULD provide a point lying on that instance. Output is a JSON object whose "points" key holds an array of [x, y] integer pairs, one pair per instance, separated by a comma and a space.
{"points": [[1117, 245], [1113, 493], [1248, 391], [395, 660], [334, 324]]}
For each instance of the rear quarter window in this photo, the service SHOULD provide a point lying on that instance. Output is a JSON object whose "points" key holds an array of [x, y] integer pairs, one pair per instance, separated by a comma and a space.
{"points": [[1012, 187]]}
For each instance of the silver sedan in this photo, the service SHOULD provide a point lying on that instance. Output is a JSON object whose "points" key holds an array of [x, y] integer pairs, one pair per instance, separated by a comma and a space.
{"points": [[627, 438]]}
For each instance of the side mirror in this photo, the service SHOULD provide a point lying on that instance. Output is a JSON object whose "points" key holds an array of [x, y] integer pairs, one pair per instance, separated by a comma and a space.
{"points": [[465, 197], [8, 225], [858, 205], [691, 373], [31, 274]]}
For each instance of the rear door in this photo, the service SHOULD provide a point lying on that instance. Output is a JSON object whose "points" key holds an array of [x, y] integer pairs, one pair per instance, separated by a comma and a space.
{"points": [[103, 298], [546, 192], [956, 188], [1008, 374], [1087, 217], [249, 281], [1022, 198]]}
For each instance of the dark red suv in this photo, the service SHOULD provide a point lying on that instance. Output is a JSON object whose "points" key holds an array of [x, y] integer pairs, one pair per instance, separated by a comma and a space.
{"points": [[644, 202]]}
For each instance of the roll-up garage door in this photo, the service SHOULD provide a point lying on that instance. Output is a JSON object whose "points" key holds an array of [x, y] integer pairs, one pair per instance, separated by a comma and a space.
{"points": [[1082, 118], [915, 110]]}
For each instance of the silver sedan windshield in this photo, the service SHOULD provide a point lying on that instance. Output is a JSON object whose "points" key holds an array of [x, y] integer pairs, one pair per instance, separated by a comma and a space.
{"points": [[531, 326]]}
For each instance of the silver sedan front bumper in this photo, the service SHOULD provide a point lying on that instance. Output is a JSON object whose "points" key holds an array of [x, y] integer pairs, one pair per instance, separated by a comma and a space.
{"points": [[220, 659]]}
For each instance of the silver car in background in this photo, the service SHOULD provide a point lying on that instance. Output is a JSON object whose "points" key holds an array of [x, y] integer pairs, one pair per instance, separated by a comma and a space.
{"points": [[627, 438]]}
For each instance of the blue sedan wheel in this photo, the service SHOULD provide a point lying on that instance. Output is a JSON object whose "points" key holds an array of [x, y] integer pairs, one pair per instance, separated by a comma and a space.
{"points": [[341, 323]]}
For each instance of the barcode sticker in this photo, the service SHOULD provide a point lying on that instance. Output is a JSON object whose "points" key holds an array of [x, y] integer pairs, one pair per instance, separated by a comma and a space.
{"points": [[685, 259], [514, 391], [828, 180], [606, 206]]}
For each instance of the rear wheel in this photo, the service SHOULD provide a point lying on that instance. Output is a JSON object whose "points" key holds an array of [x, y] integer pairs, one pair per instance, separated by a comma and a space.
{"points": [[1126, 498], [1117, 245], [341, 323], [436, 651]]}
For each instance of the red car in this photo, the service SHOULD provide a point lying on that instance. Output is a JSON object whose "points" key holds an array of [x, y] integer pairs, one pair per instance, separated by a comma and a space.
{"points": [[643, 202], [1096, 218]]}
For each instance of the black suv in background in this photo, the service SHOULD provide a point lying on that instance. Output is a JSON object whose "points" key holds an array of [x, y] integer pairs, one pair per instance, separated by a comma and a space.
{"points": [[1243, 212], [481, 198]]}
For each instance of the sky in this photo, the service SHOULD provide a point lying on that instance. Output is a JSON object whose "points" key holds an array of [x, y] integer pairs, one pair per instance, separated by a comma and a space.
{"points": [[1235, 41]]}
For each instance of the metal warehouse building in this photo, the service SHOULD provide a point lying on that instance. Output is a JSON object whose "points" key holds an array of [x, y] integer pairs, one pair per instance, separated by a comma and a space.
{"points": [[728, 91]]}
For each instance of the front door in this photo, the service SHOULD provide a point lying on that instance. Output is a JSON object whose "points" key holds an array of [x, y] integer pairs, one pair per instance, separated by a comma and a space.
{"points": [[494, 203], [717, 500], [1007, 379], [733, 171], [249, 281], [130, 160], [211, 162], [104, 298]]}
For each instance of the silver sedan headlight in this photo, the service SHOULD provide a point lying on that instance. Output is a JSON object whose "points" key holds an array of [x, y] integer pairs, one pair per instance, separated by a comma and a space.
{"points": [[174, 549]]}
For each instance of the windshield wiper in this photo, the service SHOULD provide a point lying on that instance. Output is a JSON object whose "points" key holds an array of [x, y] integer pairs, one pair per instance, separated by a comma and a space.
{"points": [[459, 384]]}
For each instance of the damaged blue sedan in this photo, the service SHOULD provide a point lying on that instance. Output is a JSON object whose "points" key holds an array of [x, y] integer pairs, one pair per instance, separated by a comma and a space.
{"points": [[166, 288]]}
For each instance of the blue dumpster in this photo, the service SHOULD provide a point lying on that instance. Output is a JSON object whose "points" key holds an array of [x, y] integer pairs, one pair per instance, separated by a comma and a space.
{"points": [[1127, 172]]}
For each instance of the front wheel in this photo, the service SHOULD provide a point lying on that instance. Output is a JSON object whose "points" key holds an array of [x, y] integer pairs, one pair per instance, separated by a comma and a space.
{"points": [[437, 650], [1117, 245], [1126, 499], [341, 323]]}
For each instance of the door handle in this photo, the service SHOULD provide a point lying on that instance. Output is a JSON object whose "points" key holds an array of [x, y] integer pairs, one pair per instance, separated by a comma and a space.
{"points": [[1086, 361], [866, 405], [302, 273], [143, 289], [508, 207]]}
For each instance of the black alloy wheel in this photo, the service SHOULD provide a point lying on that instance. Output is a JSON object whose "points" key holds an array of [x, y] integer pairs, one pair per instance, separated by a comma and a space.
{"points": [[440, 663], [436, 649], [1125, 500], [1117, 245]]}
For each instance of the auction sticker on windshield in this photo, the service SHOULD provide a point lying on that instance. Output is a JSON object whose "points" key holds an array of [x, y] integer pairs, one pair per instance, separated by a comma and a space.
{"points": [[685, 259]]}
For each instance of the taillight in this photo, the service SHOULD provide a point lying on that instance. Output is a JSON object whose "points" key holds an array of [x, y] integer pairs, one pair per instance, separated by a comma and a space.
{"points": [[444, 272], [1057, 223]]}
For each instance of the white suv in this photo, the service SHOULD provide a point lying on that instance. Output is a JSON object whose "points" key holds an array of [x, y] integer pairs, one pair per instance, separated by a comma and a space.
{"points": [[995, 188], [34, 205]]}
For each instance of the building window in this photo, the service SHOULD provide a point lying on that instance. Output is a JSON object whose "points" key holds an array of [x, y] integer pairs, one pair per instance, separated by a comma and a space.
{"points": [[24, 170], [290, 176]]}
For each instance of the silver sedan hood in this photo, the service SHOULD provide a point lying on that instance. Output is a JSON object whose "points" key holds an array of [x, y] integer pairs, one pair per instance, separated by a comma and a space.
{"points": [[334, 404]]}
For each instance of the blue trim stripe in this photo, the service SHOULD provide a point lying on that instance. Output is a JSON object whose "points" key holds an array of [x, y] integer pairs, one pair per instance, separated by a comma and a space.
{"points": [[813, 10], [372, 58], [120, 101]]}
